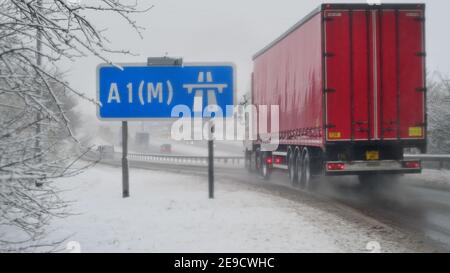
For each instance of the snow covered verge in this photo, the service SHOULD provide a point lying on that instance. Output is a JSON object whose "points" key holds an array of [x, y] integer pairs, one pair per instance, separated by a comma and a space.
{"points": [[172, 213]]}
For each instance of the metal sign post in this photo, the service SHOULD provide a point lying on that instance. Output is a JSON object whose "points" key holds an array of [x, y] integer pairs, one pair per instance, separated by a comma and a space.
{"points": [[125, 172], [211, 161]]}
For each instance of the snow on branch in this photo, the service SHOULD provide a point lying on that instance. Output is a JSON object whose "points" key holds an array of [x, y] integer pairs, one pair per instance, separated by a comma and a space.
{"points": [[37, 116]]}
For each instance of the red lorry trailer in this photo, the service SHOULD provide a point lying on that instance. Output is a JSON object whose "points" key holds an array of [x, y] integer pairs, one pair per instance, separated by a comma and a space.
{"points": [[350, 83]]}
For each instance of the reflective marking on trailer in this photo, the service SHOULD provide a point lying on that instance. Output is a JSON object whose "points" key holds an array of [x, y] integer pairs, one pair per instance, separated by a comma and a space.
{"points": [[415, 132], [334, 135]]}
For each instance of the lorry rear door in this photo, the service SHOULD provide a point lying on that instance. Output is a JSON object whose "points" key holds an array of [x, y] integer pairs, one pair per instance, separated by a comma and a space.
{"points": [[375, 74]]}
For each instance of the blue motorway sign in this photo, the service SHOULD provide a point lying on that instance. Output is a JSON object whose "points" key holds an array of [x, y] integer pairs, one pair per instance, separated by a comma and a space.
{"points": [[139, 92]]}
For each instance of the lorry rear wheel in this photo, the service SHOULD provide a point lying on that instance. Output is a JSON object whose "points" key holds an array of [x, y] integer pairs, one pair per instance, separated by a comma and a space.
{"points": [[258, 157], [265, 168], [251, 162], [306, 179], [300, 169], [292, 169], [248, 161]]}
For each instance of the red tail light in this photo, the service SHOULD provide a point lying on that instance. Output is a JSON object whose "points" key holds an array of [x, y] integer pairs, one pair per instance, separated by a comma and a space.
{"points": [[278, 160], [335, 166], [269, 161], [413, 165]]}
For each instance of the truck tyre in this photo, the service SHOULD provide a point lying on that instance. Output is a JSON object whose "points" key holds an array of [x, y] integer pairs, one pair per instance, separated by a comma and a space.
{"points": [[265, 168], [258, 159], [292, 169], [307, 180], [251, 162], [300, 169], [248, 161]]}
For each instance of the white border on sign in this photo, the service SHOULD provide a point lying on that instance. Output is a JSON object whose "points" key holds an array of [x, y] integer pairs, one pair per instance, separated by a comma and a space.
{"points": [[145, 65]]}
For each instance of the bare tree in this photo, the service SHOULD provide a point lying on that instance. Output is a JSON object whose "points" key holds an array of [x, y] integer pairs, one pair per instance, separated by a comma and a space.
{"points": [[35, 102]]}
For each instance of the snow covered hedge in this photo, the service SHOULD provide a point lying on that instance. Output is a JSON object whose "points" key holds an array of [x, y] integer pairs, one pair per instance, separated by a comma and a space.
{"points": [[438, 115]]}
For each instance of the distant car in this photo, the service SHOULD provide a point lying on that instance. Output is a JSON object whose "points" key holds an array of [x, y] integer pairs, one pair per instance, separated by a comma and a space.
{"points": [[166, 149]]}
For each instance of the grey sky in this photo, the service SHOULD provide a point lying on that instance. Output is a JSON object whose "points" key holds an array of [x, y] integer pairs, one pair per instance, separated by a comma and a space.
{"points": [[228, 30]]}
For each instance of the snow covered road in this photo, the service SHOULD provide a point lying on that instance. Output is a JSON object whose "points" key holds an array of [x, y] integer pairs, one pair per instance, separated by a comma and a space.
{"points": [[171, 213]]}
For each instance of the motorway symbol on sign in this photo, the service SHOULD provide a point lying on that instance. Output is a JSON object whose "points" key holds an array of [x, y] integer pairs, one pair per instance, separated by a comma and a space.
{"points": [[140, 92]]}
